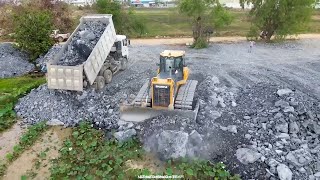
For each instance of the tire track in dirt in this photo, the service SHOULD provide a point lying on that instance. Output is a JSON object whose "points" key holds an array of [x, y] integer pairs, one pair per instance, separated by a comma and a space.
{"points": [[279, 77]]}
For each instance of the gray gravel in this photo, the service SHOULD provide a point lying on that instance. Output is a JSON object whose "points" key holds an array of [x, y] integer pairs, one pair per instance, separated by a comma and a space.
{"points": [[42, 60], [13, 62], [245, 103], [82, 43]]}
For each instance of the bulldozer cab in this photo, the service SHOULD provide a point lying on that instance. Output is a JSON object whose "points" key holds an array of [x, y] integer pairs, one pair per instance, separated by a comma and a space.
{"points": [[171, 65]]}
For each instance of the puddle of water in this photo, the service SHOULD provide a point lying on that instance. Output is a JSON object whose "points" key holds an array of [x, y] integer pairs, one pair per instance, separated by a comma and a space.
{"points": [[149, 161], [8, 139], [50, 142]]}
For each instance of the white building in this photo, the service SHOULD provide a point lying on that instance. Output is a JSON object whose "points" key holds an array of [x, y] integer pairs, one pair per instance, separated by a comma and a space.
{"points": [[234, 4], [80, 2]]}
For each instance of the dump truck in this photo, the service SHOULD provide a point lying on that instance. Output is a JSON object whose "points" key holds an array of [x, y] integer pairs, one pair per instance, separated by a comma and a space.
{"points": [[169, 93], [89, 67]]}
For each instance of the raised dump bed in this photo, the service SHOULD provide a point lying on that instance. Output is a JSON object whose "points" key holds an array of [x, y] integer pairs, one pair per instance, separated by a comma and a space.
{"points": [[83, 55]]}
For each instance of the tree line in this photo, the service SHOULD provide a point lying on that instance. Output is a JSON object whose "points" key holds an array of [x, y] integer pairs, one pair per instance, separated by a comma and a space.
{"points": [[33, 20]]}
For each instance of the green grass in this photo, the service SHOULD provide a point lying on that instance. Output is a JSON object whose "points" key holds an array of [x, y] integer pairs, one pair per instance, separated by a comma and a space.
{"points": [[26, 141], [88, 155], [168, 22], [11, 89]]}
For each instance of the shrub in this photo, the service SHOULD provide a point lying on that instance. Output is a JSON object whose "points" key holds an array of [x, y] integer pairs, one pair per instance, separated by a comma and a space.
{"points": [[125, 22], [32, 32], [200, 43]]}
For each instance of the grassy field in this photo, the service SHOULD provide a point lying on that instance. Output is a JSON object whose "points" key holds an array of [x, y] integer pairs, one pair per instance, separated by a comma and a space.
{"points": [[11, 89], [168, 22]]}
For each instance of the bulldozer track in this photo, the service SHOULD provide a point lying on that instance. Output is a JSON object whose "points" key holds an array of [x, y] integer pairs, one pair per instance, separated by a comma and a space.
{"points": [[184, 99]]}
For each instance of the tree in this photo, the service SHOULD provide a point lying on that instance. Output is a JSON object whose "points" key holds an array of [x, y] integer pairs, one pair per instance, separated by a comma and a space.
{"points": [[32, 31], [205, 15], [279, 17], [125, 21], [60, 11]]}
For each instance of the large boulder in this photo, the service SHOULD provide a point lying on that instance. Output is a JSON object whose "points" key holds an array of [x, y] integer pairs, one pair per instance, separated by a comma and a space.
{"points": [[282, 92], [125, 135], [169, 144], [172, 144], [194, 145], [246, 156], [284, 172], [54, 122], [299, 158]]}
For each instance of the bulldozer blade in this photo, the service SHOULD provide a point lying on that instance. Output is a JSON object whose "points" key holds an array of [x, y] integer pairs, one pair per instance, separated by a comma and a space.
{"points": [[132, 113]]}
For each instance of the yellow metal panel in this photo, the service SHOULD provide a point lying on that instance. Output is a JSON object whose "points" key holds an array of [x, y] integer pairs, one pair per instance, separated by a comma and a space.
{"points": [[168, 82]]}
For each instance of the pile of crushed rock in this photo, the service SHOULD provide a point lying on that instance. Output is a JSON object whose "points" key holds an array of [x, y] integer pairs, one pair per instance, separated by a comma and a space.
{"points": [[43, 59], [263, 131], [82, 43], [13, 62]]}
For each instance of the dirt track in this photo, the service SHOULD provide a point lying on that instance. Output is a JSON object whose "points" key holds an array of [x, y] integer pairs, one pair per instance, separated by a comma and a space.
{"points": [[173, 41], [292, 64]]}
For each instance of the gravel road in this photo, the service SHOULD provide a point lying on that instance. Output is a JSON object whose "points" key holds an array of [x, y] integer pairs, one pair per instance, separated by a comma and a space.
{"points": [[259, 111]]}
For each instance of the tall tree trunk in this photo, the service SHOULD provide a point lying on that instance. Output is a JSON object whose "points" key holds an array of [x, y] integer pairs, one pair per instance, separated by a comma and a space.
{"points": [[269, 35], [197, 29]]}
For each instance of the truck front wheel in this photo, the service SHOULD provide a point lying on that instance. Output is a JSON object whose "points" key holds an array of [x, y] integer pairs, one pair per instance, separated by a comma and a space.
{"points": [[107, 74], [124, 64]]}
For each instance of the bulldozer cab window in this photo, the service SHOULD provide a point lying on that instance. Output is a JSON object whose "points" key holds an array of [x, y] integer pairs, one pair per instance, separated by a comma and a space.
{"points": [[178, 63], [171, 63]]}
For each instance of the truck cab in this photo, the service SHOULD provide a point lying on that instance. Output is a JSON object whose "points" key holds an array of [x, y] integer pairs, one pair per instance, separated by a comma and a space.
{"points": [[120, 46]]}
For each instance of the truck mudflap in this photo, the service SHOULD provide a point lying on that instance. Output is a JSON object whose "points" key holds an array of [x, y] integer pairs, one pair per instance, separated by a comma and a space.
{"points": [[131, 113]]}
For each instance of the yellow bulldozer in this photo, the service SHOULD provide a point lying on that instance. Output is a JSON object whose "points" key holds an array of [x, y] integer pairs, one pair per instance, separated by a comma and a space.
{"points": [[169, 93]]}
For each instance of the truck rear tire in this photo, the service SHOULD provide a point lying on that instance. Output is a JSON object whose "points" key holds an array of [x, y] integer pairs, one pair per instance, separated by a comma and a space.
{"points": [[124, 64], [99, 83], [107, 74], [102, 70]]}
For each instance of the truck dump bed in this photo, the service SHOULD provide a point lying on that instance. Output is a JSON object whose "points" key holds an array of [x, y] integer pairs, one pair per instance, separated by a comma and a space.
{"points": [[66, 77]]}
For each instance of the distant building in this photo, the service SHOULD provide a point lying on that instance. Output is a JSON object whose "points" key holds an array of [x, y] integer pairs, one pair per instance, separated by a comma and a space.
{"points": [[234, 4], [80, 2], [153, 3]]}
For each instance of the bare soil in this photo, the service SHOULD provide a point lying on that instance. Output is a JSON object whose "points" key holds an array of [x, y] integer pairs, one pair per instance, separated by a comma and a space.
{"points": [[8, 139], [188, 40], [25, 165]]}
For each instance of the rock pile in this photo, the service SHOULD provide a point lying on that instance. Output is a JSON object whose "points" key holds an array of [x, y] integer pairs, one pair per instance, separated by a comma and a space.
{"points": [[284, 129], [101, 108], [82, 43], [13, 62], [42, 60]]}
